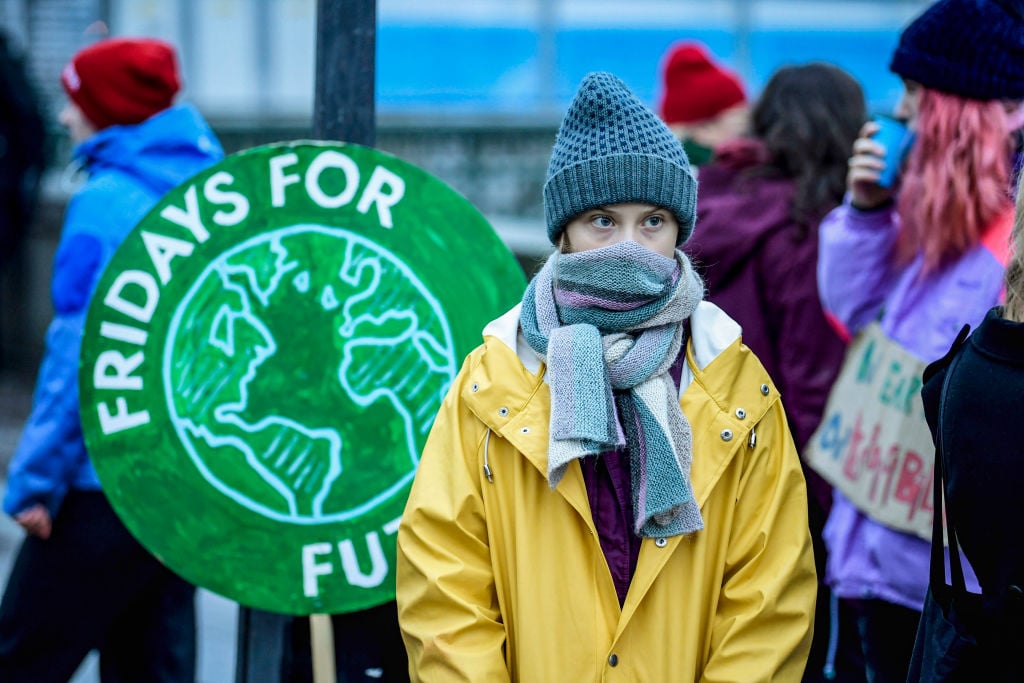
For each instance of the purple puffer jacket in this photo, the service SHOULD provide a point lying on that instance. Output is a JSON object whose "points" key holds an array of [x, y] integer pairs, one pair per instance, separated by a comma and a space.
{"points": [[759, 264], [860, 283]]}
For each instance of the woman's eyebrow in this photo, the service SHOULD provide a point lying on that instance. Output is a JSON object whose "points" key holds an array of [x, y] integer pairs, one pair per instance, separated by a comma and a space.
{"points": [[647, 209]]}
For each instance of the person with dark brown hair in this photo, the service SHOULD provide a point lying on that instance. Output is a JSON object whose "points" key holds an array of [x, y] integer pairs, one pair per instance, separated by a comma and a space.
{"points": [[756, 244]]}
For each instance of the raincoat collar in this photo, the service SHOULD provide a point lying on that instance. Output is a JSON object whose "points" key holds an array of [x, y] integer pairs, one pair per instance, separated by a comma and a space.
{"points": [[507, 392]]}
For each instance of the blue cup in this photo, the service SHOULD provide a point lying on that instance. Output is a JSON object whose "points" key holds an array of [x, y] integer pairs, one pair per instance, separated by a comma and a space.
{"points": [[897, 140]]}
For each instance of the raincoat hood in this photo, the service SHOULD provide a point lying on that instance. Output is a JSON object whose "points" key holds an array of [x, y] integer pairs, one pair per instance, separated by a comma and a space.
{"points": [[159, 153], [130, 168]]}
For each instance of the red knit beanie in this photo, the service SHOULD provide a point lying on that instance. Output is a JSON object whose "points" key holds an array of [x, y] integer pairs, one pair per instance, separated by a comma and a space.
{"points": [[694, 87], [122, 80]]}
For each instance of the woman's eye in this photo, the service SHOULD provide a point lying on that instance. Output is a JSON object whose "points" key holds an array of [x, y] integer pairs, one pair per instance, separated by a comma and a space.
{"points": [[602, 222], [654, 221]]}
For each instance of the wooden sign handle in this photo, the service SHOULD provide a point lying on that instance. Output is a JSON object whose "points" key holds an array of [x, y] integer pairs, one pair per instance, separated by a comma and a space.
{"points": [[321, 636]]}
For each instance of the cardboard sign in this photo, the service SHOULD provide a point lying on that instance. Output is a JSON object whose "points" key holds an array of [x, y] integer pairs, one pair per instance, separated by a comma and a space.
{"points": [[873, 443], [264, 358]]}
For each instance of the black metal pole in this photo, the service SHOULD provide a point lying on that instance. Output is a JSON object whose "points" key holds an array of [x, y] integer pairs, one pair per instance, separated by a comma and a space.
{"points": [[274, 648], [264, 640], [346, 43]]}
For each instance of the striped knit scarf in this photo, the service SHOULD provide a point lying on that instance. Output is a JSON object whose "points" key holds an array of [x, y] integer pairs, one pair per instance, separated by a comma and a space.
{"points": [[609, 324]]}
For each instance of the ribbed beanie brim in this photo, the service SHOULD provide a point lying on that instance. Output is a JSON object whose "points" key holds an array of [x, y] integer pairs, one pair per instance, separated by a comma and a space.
{"points": [[970, 48], [613, 149]]}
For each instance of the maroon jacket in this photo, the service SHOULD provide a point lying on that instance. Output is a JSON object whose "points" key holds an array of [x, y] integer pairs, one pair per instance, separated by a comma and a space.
{"points": [[760, 267]]}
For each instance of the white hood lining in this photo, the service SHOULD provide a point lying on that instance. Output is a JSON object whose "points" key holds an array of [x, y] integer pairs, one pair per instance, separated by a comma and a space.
{"points": [[711, 329]]}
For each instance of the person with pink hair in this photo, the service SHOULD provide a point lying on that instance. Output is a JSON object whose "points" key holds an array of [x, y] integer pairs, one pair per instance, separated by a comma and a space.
{"points": [[921, 259]]}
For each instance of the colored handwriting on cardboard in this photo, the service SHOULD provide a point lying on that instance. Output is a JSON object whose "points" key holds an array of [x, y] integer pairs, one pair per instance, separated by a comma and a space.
{"points": [[873, 443]]}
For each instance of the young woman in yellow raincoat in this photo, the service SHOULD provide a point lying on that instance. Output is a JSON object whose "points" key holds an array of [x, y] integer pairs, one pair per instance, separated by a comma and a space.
{"points": [[610, 490]]}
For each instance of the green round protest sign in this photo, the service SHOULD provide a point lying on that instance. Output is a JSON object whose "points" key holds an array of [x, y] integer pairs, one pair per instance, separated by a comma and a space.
{"points": [[264, 357]]}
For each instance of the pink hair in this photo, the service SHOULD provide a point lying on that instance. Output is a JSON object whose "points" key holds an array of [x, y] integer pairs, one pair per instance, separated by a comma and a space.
{"points": [[957, 177]]}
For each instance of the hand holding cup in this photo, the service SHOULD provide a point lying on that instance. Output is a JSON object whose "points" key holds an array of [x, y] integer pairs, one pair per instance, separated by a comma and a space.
{"points": [[877, 157]]}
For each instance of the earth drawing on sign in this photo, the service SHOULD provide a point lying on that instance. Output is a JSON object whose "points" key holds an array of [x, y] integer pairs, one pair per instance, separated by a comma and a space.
{"points": [[372, 345]]}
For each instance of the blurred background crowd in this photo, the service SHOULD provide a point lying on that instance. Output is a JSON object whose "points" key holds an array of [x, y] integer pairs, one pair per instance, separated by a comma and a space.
{"points": [[470, 90]]}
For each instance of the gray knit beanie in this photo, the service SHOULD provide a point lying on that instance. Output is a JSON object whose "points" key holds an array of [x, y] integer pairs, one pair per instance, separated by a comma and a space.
{"points": [[612, 149]]}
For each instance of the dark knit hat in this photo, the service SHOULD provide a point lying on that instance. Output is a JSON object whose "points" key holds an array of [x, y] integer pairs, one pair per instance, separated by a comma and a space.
{"points": [[694, 88], [122, 80], [612, 149], [970, 48]]}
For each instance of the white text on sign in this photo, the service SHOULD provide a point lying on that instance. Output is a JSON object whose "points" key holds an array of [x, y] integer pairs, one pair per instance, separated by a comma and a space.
{"points": [[135, 293]]}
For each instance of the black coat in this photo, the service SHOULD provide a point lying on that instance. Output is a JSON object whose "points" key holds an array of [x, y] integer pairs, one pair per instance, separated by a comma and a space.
{"points": [[982, 427]]}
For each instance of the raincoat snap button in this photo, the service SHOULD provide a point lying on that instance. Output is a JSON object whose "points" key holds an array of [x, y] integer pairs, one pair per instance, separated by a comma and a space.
{"points": [[726, 435], [740, 413], [503, 411], [525, 430], [661, 542], [613, 659], [475, 386], [764, 389]]}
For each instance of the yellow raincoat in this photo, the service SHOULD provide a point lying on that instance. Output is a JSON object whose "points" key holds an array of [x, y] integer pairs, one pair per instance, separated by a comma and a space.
{"points": [[501, 578]]}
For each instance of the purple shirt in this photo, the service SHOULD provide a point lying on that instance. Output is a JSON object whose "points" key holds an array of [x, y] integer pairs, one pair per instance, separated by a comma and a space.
{"points": [[609, 490]]}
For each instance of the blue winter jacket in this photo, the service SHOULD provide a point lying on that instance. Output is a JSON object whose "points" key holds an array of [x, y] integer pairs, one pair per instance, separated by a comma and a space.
{"points": [[130, 168]]}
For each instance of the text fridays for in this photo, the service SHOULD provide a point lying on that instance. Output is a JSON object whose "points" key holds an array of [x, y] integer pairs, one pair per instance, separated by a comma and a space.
{"points": [[115, 371]]}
